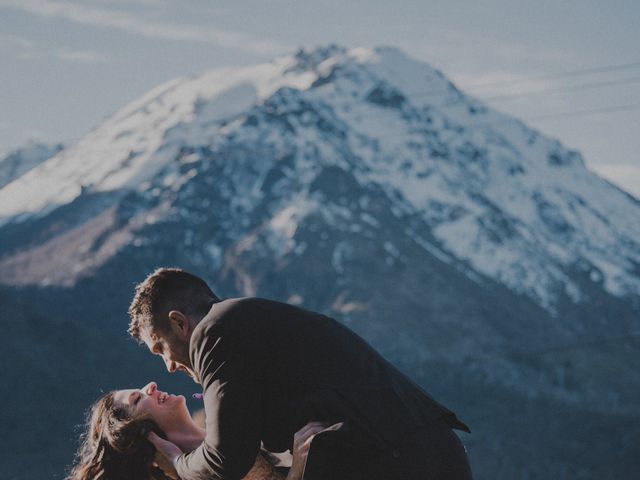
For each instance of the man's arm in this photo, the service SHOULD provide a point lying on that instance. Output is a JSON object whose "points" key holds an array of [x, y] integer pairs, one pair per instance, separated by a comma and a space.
{"points": [[229, 362], [167, 454]]}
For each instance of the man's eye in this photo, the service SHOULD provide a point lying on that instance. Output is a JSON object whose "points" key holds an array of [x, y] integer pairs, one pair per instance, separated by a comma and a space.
{"points": [[135, 402]]}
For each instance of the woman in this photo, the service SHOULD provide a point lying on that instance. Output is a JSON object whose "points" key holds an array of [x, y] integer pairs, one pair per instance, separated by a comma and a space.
{"points": [[115, 444]]}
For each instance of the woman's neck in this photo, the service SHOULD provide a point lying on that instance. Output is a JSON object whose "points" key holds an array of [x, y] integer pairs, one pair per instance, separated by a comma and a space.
{"points": [[188, 437]]}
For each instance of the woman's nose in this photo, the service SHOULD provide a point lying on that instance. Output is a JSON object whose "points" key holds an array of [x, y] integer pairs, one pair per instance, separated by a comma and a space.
{"points": [[150, 388]]}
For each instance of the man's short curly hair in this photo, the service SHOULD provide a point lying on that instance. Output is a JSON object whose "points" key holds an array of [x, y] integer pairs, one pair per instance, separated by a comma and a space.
{"points": [[164, 290]]}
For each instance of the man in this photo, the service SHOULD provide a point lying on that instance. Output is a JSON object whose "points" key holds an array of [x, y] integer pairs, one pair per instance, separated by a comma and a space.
{"points": [[267, 368]]}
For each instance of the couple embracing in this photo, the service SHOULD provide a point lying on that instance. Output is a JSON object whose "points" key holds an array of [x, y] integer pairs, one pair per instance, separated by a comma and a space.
{"points": [[287, 393]]}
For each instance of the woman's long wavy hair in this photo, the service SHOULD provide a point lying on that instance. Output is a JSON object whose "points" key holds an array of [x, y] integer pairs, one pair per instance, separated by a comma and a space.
{"points": [[114, 445]]}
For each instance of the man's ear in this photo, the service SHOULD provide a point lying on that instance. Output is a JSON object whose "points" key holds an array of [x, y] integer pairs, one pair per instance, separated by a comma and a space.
{"points": [[179, 324]]}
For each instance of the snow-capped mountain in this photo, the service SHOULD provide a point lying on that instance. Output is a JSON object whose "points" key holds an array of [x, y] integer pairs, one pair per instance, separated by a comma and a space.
{"points": [[499, 199], [480, 256]]}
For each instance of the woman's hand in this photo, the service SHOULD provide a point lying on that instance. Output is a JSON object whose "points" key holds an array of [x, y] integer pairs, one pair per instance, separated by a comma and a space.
{"points": [[166, 454], [302, 443]]}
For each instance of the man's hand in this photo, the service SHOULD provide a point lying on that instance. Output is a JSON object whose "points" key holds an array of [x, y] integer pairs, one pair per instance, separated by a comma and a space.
{"points": [[302, 443], [166, 454]]}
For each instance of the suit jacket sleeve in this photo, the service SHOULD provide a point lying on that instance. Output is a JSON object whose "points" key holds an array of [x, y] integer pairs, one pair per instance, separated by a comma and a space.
{"points": [[229, 364]]}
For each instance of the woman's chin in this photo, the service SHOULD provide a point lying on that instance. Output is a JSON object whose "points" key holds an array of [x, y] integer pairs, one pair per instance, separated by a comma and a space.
{"points": [[174, 407], [180, 402], [175, 401]]}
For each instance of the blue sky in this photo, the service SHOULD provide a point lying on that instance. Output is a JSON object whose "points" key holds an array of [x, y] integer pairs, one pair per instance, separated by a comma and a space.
{"points": [[66, 65]]}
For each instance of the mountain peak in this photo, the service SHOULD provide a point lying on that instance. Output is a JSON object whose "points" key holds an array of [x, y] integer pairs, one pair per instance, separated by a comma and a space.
{"points": [[309, 59]]}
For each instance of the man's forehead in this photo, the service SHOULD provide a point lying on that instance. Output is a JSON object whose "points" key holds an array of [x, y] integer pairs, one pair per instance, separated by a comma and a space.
{"points": [[149, 337]]}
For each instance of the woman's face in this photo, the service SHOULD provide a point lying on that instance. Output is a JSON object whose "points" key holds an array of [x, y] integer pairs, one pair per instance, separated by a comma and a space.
{"points": [[166, 409]]}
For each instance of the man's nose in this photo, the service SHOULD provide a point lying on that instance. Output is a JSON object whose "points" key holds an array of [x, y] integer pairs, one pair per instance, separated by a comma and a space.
{"points": [[171, 366], [150, 388]]}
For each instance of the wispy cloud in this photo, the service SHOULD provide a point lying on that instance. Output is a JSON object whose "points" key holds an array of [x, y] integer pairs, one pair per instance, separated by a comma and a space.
{"points": [[83, 56], [488, 65], [135, 24], [500, 82], [25, 49], [144, 3], [8, 41]]}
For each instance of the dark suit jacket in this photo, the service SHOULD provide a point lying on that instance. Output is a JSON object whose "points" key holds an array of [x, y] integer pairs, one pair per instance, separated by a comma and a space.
{"points": [[267, 368]]}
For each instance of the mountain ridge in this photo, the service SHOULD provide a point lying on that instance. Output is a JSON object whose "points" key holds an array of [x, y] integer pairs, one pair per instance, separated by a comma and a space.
{"points": [[16, 163]]}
